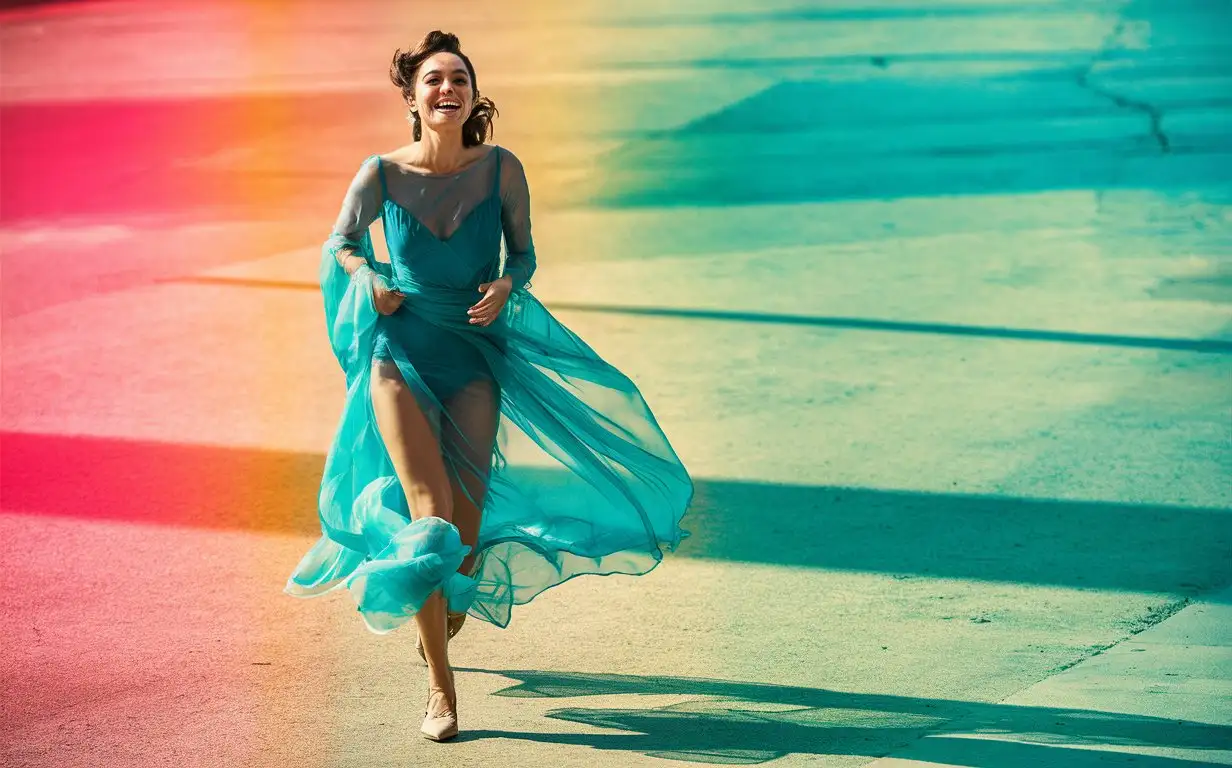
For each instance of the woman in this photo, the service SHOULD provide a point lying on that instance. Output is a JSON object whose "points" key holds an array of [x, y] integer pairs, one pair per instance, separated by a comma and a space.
{"points": [[444, 349]]}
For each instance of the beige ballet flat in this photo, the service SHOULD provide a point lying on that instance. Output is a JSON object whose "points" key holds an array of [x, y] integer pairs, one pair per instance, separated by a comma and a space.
{"points": [[440, 727]]}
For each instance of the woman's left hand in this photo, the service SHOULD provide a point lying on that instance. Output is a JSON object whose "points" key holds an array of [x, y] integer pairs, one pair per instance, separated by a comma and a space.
{"points": [[495, 294]]}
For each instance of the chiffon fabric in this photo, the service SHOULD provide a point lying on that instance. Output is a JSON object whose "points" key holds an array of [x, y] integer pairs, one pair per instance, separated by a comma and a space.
{"points": [[596, 488]]}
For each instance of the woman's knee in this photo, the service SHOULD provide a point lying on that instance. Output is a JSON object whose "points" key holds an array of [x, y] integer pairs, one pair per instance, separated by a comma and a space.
{"points": [[411, 445], [425, 501], [387, 379]]}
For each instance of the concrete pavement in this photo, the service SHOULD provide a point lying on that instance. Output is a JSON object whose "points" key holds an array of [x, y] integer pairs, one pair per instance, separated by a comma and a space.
{"points": [[1163, 697], [951, 370]]}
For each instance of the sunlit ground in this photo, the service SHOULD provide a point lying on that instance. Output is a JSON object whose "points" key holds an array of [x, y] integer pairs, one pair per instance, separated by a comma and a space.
{"points": [[932, 300]]}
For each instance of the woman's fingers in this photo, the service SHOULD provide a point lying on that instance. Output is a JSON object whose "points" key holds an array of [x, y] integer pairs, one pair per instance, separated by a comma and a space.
{"points": [[389, 303], [486, 310], [487, 304]]}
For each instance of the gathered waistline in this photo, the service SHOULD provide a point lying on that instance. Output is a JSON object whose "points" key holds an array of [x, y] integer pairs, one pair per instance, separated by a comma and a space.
{"points": [[440, 305]]}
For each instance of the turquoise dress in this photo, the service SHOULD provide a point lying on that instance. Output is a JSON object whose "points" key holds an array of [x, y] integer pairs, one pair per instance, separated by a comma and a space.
{"points": [[596, 489]]}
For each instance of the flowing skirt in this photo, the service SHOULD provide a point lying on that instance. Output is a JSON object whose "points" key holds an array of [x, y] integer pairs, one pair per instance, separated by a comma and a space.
{"points": [[599, 491]]}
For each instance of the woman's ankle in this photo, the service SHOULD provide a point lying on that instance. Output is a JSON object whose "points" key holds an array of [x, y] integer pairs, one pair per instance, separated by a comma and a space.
{"points": [[441, 681]]}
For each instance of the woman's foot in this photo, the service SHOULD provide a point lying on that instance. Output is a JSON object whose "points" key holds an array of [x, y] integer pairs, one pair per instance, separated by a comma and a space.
{"points": [[440, 716]]}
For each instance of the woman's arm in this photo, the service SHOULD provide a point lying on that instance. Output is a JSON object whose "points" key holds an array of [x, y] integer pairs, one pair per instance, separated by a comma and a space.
{"points": [[360, 207], [515, 220]]}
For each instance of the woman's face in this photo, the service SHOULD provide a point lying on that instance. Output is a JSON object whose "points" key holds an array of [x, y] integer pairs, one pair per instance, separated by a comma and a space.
{"points": [[444, 94]]}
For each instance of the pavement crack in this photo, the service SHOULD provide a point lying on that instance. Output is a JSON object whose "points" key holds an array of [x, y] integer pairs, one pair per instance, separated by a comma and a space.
{"points": [[1155, 115]]}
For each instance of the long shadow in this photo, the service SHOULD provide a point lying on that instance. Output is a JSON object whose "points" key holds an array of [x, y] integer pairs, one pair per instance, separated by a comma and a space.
{"points": [[1219, 346], [1032, 59], [742, 723], [1001, 538], [920, 12], [1177, 550], [948, 329]]}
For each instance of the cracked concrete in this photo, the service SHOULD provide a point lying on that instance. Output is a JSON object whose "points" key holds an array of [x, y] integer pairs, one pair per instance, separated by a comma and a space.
{"points": [[1154, 114]]}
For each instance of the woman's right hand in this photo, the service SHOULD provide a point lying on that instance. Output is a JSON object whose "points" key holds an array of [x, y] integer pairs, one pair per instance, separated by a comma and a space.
{"points": [[387, 300]]}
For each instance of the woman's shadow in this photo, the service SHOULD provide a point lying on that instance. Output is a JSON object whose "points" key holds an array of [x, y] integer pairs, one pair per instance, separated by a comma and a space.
{"points": [[739, 723]]}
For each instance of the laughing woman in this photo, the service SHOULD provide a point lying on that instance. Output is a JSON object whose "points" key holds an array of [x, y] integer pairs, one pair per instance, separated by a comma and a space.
{"points": [[443, 349]]}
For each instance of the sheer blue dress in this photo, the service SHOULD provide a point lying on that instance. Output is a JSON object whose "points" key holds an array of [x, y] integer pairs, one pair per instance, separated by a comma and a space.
{"points": [[597, 487]]}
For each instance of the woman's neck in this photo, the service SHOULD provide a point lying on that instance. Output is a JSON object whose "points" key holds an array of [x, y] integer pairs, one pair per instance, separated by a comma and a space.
{"points": [[440, 153]]}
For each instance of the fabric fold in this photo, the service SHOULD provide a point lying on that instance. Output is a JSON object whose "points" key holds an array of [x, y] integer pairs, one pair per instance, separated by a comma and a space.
{"points": [[604, 492]]}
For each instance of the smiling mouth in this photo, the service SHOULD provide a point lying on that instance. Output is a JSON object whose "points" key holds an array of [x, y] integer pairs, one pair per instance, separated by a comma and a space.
{"points": [[448, 107]]}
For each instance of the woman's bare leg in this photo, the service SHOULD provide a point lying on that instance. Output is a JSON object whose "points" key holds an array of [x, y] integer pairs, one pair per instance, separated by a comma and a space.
{"points": [[417, 461], [475, 416]]}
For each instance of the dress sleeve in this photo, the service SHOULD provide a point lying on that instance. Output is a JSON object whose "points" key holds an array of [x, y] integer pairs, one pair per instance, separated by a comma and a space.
{"points": [[515, 221], [360, 207]]}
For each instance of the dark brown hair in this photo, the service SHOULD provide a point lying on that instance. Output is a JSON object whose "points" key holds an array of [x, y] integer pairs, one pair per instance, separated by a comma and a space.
{"points": [[402, 72]]}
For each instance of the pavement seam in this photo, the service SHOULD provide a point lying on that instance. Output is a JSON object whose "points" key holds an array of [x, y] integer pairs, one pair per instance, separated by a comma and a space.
{"points": [[1155, 617]]}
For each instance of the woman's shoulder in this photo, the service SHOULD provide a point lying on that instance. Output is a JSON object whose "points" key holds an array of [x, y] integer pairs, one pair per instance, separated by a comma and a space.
{"points": [[393, 156], [368, 173], [507, 155], [511, 170]]}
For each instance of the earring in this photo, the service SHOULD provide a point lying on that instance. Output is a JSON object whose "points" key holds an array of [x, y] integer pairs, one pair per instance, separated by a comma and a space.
{"points": [[411, 116]]}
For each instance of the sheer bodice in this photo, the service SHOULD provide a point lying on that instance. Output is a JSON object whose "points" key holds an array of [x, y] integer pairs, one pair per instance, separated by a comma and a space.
{"points": [[441, 228]]}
